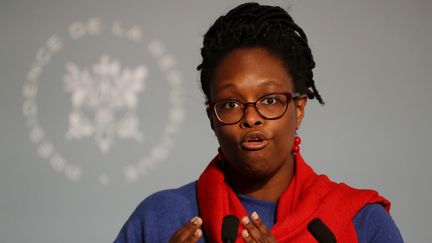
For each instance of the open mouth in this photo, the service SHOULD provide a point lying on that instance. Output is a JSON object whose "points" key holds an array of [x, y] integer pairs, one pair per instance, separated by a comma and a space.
{"points": [[256, 139], [254, 142]]}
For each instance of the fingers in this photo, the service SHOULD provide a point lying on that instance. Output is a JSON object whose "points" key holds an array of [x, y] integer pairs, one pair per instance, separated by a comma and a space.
{"points": [[246, 236], [255, 230], [189, 232], [251, 233]]}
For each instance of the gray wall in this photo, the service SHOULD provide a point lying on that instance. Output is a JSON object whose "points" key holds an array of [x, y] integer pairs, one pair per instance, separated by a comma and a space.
{"points": [[67, 175]]}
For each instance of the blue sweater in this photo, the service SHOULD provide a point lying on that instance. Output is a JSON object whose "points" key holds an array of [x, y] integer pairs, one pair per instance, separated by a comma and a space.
{"points": [[161, 214]]}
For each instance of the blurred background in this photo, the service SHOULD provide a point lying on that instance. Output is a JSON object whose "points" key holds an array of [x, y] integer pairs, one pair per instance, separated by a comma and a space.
{"points": [[100, 106]]}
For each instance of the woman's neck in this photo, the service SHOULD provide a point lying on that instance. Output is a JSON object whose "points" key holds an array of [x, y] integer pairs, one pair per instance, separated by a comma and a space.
{"points": [[268, 188]]}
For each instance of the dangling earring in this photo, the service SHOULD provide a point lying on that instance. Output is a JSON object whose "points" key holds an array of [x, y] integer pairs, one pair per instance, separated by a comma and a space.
{"points": [[296, 148]]}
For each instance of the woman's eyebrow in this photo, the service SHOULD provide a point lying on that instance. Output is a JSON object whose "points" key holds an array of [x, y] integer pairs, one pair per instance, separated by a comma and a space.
{"points": [[225, 86], [270, 83], [264, 83]]}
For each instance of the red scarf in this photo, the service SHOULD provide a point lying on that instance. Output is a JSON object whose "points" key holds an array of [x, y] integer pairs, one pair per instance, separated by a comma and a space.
{"points": [[307, 197]]}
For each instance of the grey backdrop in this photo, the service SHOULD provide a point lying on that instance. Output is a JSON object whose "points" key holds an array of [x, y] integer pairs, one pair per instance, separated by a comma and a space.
{"points": [[373, 69]]}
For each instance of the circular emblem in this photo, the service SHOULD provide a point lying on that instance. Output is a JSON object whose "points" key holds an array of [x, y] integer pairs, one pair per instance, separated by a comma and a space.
{"points": [[98, 95]]}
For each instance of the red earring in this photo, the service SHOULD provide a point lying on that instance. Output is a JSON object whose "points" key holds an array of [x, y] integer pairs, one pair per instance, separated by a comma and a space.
{"points": [[296, 147]]}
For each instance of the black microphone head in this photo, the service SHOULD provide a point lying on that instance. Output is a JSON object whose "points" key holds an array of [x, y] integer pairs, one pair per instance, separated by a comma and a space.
{"points": [[230, 225], [320, 231]]}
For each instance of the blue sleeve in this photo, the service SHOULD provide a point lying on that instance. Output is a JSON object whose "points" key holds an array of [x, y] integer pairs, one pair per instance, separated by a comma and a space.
{"points": [[131, 230], [159, 216], [374, 224]]}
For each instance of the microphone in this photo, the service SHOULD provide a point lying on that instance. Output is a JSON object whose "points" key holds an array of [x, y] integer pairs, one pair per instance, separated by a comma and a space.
{"points": [[230, 225], [320, 231]]}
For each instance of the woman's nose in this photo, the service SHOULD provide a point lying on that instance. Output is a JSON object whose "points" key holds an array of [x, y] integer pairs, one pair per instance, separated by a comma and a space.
{"points": [[251, 117]]}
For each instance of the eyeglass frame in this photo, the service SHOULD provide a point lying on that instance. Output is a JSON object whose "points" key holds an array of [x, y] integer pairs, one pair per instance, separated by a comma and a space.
{"points": [[290, 96]]}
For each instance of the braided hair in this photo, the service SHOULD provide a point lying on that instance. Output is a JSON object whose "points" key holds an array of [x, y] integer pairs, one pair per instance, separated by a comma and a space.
{"points": [[252, 25]]}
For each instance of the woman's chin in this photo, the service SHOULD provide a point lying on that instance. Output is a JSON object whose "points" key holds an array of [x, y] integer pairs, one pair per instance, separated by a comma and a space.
{"points": [[254, 169]]}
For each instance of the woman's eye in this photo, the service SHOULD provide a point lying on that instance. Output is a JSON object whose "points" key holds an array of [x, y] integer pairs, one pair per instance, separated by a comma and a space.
{"points": [[270, 100], [231, 105]]}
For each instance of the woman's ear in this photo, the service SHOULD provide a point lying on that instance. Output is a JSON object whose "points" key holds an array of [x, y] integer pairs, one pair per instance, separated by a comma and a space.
{"points": [[300, 105], [209, 116]]}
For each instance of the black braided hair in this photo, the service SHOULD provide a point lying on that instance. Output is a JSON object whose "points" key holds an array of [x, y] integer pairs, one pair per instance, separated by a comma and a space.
{"points": [[269, 27]]}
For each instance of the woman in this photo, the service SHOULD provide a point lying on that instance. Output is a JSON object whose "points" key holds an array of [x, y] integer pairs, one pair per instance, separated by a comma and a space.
{"points": [[257, 77]]}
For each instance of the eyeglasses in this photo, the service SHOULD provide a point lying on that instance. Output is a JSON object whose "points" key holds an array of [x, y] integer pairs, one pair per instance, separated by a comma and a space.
{"points": [[270, 106]]}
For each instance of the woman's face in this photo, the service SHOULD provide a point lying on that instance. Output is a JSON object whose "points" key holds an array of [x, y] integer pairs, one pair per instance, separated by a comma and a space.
{"points": [[255, 147]]}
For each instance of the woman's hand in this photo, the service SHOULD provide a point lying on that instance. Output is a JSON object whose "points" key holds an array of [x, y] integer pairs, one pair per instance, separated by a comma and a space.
{"points": [[189, 232], [255, 230]]}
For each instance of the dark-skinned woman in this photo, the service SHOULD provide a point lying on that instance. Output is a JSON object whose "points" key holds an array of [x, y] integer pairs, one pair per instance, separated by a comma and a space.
{"points": [[257, 77]]}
